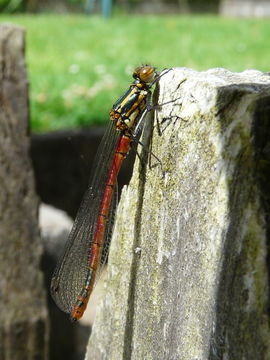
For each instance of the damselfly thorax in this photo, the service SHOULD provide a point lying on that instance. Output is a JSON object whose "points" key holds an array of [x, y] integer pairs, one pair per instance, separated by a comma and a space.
{"points": [[128, 109]]}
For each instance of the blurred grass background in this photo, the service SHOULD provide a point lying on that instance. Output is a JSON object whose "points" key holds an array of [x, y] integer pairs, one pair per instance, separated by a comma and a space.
{"points": [[79, 65]]}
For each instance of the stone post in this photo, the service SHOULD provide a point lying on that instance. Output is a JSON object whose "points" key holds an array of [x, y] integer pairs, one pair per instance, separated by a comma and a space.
{"points": [[23, 315], [187, 273]]}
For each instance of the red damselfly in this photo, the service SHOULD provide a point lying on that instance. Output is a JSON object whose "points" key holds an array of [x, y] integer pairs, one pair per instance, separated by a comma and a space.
{"points": [[87, 247]]}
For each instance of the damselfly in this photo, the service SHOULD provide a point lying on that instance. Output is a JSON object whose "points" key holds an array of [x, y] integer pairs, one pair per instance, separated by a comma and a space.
{"points": [[88, 243]]}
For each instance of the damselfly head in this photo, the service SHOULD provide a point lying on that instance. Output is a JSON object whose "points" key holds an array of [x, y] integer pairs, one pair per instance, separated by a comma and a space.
{"points": [[145, 73]]}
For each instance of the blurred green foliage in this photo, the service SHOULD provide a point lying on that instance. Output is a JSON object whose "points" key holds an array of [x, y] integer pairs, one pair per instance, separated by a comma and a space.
{"points": [[3, 3], [76, 2], [9, 6], [79, 65]]}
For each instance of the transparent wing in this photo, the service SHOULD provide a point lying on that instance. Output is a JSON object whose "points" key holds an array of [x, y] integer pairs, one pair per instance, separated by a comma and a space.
{"points": [[71, 270]]}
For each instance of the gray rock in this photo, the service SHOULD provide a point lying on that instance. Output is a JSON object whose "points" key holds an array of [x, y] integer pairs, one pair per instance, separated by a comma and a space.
{"points": [[198, 286]]}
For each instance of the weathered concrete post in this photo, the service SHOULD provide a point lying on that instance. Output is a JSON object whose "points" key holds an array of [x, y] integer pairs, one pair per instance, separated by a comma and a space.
{"points": [[187, 273], [23, 316]]}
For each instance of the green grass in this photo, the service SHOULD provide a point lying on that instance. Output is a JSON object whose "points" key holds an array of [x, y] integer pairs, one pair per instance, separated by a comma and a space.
{"points": [[78, 65]]}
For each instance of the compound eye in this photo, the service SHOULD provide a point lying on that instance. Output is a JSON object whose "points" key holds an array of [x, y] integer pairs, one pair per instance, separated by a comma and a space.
{"points": [[145, 73]]}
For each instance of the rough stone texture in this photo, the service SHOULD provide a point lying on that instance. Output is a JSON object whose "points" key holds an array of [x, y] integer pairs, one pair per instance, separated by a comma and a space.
{"points": [[245, 8], [187, 272], [23, 315]]}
